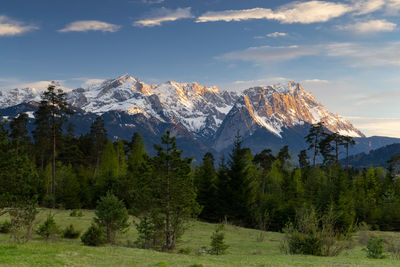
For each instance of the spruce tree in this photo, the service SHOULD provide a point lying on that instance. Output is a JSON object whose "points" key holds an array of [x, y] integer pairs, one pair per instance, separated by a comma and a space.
{"points": [[19, 133], [50, 118], [207, 188], [241, 184], [313, 139], [98, 137], [173, 189]]}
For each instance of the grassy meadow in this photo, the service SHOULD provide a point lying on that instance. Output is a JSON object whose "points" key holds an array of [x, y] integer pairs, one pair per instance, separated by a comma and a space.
{"points": [[247, 247]]}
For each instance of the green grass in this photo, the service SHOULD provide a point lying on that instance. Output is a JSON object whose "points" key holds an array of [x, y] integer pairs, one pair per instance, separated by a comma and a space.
{"points": [[244, 249]]}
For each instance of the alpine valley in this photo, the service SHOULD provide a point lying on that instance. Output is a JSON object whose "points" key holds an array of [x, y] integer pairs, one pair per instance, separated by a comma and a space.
{"points": [[202, 118]]}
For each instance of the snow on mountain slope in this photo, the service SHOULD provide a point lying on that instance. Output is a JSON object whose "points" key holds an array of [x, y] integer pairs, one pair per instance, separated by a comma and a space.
{"points": [[283, 105], [199, 109], [12, 97]]}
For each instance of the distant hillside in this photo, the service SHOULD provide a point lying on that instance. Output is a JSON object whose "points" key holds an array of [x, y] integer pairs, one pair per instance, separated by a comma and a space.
{"points": [[377, 157]]}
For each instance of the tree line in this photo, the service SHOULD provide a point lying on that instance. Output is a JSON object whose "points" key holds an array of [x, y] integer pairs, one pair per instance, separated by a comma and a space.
{"points": [[56, 168]]}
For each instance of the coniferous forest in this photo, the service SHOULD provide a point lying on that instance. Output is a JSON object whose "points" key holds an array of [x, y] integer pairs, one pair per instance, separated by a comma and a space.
{"points": [[52, 167]]}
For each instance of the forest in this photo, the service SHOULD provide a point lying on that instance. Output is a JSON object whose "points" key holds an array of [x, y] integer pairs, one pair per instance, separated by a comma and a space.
{"points": [[52, 167]]}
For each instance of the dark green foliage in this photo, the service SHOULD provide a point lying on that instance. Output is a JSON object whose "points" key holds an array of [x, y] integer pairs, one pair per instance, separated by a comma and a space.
{"points": [[76, 213], [171, 191], [146, 230], [206, 183], [375, 247], [111, 214], [5, 227], [49, 229], [71, 233], [217, 244], [313, 139], [94, 236]]}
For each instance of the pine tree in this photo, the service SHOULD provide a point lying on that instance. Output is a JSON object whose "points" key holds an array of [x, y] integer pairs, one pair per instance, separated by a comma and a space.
{"points": [[51, 116], [206, 180], [19, 133], [107, 180], [303, 160], [173, 189], [313, 139], [98, 136], [265, 160], [241, 185]]}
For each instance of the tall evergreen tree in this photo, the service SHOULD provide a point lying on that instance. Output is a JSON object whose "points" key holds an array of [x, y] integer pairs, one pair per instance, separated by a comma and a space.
{"points": [[264, 159], [241, 184], [51, 115], [313, 139], [206, 181], [19, 133], [98, 136], [173, 189]]}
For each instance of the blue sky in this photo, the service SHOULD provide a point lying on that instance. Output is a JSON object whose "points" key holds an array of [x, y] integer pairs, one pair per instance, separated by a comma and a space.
{"points": [[347, 53]]}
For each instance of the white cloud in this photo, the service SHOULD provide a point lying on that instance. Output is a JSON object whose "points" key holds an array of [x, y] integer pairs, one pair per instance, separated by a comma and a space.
{"points": [[162, 15], [368, 6], [295, 12], [371, 26], [90, 25], [276, 34], [356, 54], [10, 27]]}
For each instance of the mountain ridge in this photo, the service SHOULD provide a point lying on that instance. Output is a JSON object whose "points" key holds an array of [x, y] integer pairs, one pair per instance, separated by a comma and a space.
{"points": [[201, 115]]}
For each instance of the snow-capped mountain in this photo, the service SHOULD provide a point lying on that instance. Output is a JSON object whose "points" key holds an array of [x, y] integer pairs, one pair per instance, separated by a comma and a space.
{"points": [[205, 118], [276, 108], [15, 96], [198, 108]]}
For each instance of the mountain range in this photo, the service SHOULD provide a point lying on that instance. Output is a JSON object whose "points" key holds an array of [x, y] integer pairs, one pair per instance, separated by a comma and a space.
{"points": [[202, 118]]}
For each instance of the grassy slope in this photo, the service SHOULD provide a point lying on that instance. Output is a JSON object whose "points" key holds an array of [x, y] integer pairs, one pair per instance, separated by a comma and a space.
{"points": [[244, 250]]}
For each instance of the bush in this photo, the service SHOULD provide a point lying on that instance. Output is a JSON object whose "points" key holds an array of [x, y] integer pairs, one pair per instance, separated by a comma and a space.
{"points": [[314, 236], [71, 233], [186, 251], [94, 236], [22, 216], [218, 245], [76, 213], [5, 227], [375, 248], [49, 229]]}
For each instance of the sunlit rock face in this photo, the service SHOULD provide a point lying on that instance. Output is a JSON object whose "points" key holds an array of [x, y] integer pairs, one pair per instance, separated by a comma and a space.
{"points": [[206, 116]]}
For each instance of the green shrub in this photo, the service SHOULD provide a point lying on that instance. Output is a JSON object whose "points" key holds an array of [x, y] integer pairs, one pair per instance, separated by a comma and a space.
{"points": [[218, 245], [5, 227], [186, 251], [76, 213], [49, 229], [94, 236], [71, 233], [375, 248], [313, 235]]}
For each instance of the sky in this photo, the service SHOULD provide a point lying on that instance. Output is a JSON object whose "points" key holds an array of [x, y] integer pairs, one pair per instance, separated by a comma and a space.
{"points": [[347, 53]]}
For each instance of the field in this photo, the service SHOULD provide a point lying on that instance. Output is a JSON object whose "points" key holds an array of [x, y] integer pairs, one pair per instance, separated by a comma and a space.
{"points": [[247, 248]]}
